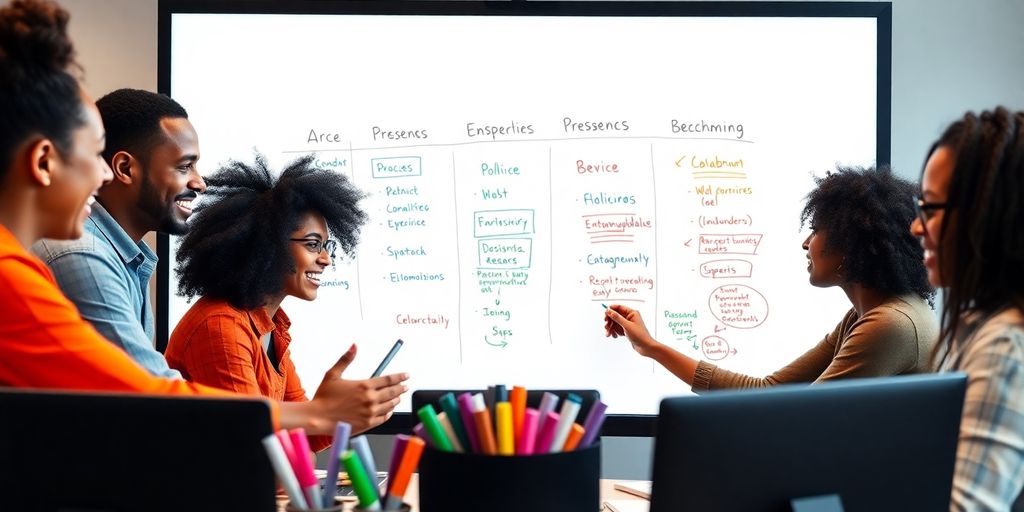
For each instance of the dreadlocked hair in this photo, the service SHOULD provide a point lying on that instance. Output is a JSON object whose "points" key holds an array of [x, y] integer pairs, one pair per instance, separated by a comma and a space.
{"points": [[980, 232]]}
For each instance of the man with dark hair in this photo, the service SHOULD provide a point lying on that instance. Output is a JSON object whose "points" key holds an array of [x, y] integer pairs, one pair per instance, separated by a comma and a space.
{"points": [[152, 149]]}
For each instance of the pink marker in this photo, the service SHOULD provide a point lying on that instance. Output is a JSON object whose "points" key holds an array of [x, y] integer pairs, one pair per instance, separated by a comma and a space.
{"points": [[466, 411], [528, 434], [307, 479], [547, 433], [289, 450]]}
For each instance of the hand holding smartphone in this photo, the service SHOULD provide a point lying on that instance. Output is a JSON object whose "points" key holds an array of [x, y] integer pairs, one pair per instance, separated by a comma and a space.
{"points": [[387, 359]]}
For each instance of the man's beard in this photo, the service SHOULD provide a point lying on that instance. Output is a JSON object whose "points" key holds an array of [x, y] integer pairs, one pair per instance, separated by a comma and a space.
{"points": [[164, 214]]}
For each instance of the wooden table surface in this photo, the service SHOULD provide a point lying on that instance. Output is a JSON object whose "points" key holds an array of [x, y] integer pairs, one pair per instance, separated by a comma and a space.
{"points": [[608, 492]]}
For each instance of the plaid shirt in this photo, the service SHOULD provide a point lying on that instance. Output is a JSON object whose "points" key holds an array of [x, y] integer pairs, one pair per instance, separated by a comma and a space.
{"points": [[990, 456]]}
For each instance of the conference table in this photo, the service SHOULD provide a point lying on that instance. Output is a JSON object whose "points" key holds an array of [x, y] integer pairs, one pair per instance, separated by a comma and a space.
{"points": [[608, 492]]}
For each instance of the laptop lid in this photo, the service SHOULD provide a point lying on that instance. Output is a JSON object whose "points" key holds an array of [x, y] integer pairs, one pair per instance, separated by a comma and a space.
{"points": [[880, 444], [118, 452]]}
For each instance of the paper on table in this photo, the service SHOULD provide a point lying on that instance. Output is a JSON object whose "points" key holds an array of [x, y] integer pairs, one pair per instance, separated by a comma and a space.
{"points": [[626, 506], [635, 487]]}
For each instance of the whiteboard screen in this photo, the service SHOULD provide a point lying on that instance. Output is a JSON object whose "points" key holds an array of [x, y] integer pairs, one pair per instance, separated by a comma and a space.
{"points": [[524, 169]]}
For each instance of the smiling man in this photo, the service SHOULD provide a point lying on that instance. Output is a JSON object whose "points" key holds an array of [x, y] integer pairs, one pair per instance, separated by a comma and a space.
{"points": [[152, 149]]}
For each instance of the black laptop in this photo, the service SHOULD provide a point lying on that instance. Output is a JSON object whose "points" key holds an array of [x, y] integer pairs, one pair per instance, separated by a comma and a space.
{"points": [[126, 452], [872, 445]]}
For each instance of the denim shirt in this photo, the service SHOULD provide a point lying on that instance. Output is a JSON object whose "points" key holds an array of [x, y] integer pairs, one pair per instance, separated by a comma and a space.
{"points": [[106, 274]]}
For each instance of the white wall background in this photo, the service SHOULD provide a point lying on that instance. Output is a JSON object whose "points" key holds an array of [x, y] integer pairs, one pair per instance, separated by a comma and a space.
{"points": [[948, 56]]}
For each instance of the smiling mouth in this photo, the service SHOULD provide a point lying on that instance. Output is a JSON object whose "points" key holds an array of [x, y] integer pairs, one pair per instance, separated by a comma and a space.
{"points": [[313, 277], [184, 204]]}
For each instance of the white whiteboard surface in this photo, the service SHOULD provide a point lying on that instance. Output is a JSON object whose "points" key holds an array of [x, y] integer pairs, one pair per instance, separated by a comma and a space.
{"points": [[698, 229]]}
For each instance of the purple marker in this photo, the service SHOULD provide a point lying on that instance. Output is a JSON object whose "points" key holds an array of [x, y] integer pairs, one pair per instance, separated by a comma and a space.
{"points": [[401, 440], [466, 411], [592, 425], [340, 444], [421, 432], [546, 434]]}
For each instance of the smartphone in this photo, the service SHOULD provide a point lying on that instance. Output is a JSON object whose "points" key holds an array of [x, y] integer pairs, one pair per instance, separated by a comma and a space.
{"points": [[387, 359]]}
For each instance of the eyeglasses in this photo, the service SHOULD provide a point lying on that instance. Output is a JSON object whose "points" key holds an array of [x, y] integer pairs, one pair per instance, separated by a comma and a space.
{"points": [[316, 246], [926, 210]]}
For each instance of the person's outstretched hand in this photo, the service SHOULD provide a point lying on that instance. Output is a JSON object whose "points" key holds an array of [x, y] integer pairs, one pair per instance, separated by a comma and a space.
{"points": [[624, 321], [362, 403]]}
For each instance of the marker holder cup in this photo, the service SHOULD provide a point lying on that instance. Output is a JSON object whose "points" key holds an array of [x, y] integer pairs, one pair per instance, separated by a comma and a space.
{"points": [[472, 482], [338, 507], [405, 508]]}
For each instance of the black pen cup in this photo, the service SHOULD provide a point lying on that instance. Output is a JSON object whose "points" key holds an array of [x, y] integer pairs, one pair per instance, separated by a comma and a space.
{"points": [[338, 507], [472, 482]]}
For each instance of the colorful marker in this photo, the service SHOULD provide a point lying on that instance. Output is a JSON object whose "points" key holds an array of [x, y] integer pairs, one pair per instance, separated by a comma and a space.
{"points": [[289, 450], [518, 400], [570, 408], [284, 471], [446, 425], [401, 441], [528, 436], [575, 434], [362, 447], [410, 459], [339, 443], [421, 433], [433, 427], [592, 425], [546, 434], [506, 438], [366, 491], [547, 404], [307, 479], [466, 411], [484, 430], [451, 408]]}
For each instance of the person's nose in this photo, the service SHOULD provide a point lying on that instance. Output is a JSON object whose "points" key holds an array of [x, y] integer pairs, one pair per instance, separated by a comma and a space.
{"points": [[196, 182]]}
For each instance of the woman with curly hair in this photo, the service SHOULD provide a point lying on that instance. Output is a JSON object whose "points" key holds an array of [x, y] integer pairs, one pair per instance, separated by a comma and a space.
{"points": [[254, 240], [971, 213], [858, 242]]}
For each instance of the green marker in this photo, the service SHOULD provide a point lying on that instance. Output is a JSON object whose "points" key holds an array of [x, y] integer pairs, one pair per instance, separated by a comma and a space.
{"points": [[603, 306], [364, 489], [433, 428]]}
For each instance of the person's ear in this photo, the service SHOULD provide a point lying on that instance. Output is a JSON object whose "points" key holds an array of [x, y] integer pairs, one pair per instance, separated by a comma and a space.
{"points": [[43, 161], [125, 167]]}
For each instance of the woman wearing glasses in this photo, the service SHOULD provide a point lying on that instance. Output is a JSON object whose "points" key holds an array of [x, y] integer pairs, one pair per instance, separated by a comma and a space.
{"points": [[858, 242], [971, 213], [252, 242]]}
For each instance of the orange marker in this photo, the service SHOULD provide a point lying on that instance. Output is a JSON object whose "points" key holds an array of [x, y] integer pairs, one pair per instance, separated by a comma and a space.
{"points": [[518, 400], [410, 458], [484, 430], [575, 434]]}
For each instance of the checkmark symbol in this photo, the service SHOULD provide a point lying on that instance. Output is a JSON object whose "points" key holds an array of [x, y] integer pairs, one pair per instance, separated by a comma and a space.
{"points": [[680, 160]]}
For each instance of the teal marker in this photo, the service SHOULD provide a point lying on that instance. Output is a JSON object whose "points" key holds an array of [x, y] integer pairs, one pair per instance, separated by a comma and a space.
{"points": [[433, 428], [603, 306], [366, 492], [451, 409]]}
